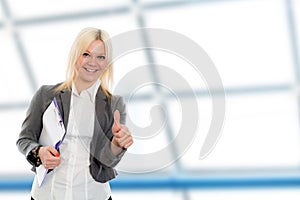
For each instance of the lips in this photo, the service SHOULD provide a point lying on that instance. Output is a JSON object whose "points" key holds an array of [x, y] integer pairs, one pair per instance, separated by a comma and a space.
{"points": [[90, 70]]}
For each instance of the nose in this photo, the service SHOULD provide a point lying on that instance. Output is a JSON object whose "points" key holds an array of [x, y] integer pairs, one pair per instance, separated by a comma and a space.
{"points": [[92, 61]]}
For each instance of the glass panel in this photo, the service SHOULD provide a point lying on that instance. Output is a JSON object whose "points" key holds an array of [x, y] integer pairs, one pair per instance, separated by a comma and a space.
{"points": [[277, 194], [14, 82], [296, 12], [48, 45], [1, 16], [260, 131], [129, 72], [15, 195], [188, 80], [22, 10], [240, 44], [147, 195], [15, 162]]}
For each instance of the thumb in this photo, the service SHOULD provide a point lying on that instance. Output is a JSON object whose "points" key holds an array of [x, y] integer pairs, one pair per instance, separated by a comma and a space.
{"points": [[116, 126]]}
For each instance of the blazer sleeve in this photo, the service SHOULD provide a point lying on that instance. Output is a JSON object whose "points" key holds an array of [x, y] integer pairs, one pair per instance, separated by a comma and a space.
{"points": [[32, 125], [102, 164], [106, 156]]}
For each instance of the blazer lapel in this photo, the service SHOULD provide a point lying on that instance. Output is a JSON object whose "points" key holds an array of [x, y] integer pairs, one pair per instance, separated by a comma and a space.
{"points": [[63, 101], [103, 117], [103, 113]]}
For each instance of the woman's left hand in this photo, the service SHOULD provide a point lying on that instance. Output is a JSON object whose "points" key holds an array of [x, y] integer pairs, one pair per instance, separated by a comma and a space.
{"points": [[122, 136]]}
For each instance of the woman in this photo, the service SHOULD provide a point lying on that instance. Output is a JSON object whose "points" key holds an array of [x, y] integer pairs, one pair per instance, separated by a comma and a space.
{"points": [[96, 137]]}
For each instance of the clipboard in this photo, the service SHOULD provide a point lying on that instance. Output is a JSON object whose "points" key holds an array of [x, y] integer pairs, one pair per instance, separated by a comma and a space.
{"points": [[52, 134]]}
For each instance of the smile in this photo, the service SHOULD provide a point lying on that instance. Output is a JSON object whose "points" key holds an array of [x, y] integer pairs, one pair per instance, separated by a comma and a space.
{"points": [[90, 70]]}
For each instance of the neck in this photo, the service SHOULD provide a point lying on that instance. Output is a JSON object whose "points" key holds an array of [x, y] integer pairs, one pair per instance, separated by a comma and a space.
{"points": [[80, 86]]}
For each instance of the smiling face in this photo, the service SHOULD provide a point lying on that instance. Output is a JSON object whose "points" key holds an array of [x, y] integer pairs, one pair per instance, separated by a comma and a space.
{"points": [[90, 65]]}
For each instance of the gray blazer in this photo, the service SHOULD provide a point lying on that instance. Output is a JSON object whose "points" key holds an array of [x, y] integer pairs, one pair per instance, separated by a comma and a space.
{"points": [[102, 161]]}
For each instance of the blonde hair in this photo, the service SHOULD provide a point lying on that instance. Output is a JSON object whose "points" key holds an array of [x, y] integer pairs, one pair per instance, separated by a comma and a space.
{"points": [[81, 43]]}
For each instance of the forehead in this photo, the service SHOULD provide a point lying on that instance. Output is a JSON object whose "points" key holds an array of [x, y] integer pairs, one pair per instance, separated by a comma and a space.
{"points": [[97, 46]]}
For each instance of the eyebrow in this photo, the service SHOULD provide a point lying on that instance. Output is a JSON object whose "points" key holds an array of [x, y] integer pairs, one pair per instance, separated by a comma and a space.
{"points": [[87, 51]]}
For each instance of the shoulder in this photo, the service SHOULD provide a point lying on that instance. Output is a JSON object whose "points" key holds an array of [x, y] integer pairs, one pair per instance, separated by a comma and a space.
{"points": [[44, 94], [117, 101], [47, 90]]}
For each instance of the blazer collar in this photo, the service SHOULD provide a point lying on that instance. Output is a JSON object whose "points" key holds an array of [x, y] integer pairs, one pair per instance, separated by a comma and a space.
{"points": [[64, 101], [100, 94]]}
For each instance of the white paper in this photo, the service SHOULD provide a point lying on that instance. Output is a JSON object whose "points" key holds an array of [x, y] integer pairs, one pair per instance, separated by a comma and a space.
{"points": [[51, 135]]}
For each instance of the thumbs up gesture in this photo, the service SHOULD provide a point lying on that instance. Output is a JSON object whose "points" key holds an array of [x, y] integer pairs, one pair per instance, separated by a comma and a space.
{"points": [[122, 137]]}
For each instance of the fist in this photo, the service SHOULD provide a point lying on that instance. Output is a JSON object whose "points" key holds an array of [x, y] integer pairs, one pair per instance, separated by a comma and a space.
{"points": [[49, 156], [122, 137]]}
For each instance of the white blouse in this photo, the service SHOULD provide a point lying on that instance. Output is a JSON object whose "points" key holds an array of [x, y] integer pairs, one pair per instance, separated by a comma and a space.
{"points": [[71, 180]]}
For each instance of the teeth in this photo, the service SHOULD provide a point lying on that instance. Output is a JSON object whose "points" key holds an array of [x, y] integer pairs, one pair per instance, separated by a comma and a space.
{"points": [[90, 70]]}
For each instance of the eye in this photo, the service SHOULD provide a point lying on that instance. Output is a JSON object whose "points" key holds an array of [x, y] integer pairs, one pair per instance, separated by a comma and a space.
{"points": [[86, 54], [101, 57]]}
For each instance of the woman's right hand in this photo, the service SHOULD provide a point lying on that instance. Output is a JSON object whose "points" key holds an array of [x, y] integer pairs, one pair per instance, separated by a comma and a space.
{"points": [[49, 156]]}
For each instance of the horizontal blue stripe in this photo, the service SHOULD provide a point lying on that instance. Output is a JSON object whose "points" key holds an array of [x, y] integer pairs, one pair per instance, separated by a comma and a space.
{"points": [[199, 183], [159, 183], [15, 184]]}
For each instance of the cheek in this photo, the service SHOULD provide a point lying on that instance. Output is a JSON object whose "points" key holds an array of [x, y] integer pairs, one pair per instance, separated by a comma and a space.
{"points": [[80, 61], [104, 64]]}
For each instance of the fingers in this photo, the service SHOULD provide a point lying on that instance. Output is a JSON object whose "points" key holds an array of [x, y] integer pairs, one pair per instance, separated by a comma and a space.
{"points": [[123, 137], [49, 156], [53, 151], [126, 142]]}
